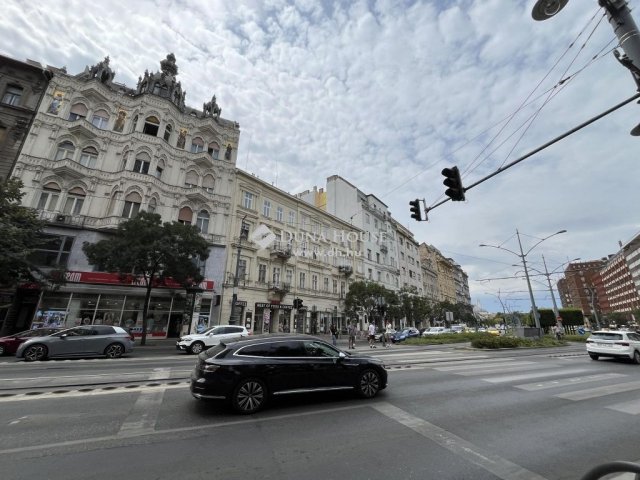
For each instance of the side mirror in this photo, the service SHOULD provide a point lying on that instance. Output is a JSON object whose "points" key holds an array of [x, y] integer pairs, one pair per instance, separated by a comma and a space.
{"points": [[342, 356]]}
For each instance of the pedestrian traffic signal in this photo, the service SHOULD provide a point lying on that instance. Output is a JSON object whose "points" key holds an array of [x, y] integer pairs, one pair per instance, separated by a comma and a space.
{"points": [[455, 191], [415, 210]]}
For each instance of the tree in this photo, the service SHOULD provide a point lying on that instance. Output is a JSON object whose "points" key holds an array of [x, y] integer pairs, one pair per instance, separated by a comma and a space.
{"points": [[145, 248], [21, 235], [363, 297]]}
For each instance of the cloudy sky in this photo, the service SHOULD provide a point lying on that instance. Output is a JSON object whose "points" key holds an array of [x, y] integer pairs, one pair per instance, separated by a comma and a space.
{"points": [[387, 93]]}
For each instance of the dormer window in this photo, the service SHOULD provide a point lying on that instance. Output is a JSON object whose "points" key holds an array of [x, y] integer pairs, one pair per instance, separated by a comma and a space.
{"points": [[151, 126]]}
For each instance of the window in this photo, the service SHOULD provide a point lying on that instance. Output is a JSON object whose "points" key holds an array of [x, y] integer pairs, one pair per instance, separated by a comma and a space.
{"points": [[208, 183], [377, 257], [367, 218], [134, 124], [319, 349], [242, 269], [262, 273], [75, 199], [276, 275], [289, 276], [197, 145], [185, 216], [248, 200], [77, 112], [191, 180], [12, 95], [213, 149], [159, 169], [65, 150], [343, 288], [89, 157], [314, 282], [326, 284], [151, 126], [279, 214], [266, 208], [292, 218], [202, 222], [100, 119], [302, 280], [335, 286], [153, 205], [49, 197], [131, 205], [54, 251], [369, 253], [141, 165], [167, 133]]}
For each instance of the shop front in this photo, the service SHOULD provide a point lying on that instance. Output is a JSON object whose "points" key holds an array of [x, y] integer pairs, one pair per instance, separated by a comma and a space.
{"points": [[272, 317]]}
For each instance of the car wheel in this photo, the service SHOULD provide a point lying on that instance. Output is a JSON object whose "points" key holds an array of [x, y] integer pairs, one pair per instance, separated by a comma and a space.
{"points": [[36, 352], [594, 356], [115, 350], [249, 396], [636, 357], [368, 384], [196, 347]]}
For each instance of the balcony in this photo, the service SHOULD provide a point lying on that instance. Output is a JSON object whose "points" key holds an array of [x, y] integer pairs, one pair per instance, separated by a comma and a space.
{"points": [[345, 269], [384, 249], [280, 287], [281, 250]]}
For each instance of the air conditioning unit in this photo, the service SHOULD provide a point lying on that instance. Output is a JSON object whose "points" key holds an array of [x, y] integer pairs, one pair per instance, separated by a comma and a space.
{"points": [[61, 218]]}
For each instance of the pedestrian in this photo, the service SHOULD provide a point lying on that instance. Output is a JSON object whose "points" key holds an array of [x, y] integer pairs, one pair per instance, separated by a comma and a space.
{"points": [[559, 330], [372, 335], [334, 334], [352, 330], [388, 332], [383, 335]]}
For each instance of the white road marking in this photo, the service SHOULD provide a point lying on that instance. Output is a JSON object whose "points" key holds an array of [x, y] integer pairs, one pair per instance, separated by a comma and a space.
{"points": [[632, 407], [486, 366], [527, 376], [492, 463], [563, 382], [145, 411], [599, 391], [14, 422]]}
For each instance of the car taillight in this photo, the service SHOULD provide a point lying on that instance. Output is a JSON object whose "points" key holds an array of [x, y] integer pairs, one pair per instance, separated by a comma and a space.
{"points": [[209, 367]]}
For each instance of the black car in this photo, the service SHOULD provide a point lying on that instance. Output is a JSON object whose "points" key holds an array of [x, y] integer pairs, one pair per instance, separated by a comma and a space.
{"points": [[247, 372]]}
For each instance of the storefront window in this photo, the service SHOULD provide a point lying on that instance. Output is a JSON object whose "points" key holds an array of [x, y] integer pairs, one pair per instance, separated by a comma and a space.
{"points": [[52, 311]]}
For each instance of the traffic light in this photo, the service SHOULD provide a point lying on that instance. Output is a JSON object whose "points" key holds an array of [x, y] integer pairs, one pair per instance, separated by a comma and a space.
{"points": [[454, 182], [297, 303], [415, 210]]}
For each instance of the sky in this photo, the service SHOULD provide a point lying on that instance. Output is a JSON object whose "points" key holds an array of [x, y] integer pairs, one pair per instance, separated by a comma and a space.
{"points": [[388, 93]]}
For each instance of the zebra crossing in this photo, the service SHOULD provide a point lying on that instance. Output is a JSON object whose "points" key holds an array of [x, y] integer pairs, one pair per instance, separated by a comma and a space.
{"points": [[578, 381]]}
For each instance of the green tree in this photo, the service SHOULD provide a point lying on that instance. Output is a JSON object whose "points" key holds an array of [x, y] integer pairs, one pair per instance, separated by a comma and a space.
{"points": [[363, 297], [143, 247], [21, 235]]}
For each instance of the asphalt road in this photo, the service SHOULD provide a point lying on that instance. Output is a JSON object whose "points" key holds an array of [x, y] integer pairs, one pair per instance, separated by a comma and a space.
{"points": [[447, 414]]}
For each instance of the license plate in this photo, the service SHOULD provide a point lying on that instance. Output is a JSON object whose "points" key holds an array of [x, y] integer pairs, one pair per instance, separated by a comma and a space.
{"points": [[602, 345]]}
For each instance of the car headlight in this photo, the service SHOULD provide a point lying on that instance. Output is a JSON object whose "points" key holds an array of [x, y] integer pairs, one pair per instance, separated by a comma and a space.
{"points": [[185, 339]]}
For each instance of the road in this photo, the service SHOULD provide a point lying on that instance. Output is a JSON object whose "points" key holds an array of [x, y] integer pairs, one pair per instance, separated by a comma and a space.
{"points": [[447, 414]]}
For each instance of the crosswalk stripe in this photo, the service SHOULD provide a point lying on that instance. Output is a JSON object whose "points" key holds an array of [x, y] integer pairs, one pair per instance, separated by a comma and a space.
{"points": [[489, 365], [528, 376], [599, 391], [632, 407], [450, 360], [563, 382]]}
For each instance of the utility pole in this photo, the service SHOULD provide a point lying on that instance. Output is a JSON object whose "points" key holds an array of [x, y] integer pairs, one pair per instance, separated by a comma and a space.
{"points": [[553, 296], [234, 312], [536, 318]]}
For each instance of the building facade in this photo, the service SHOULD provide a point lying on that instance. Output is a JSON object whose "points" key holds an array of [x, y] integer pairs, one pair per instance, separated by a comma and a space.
{"points": [[285, 249], [579, 286], [98, 153], [429, 264], [619, 286]]}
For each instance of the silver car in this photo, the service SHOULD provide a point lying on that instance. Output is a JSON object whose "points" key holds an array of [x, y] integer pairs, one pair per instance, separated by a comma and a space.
{"points": [[85, 341]]}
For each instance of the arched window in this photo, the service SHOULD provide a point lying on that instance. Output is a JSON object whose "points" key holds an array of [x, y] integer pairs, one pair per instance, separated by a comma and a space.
{"points": [[75, 199], [134, 124], [159, 168], [197, 145], [78, 111], [131, 205], [125, 159], [141, 165], [100, 119], [151, 126], [213, 149], [88, 157], [202, 222], [208, 183], [152, 205], [167, 133], [191, 180], [185, 216], [65, 150], [49, 197]]}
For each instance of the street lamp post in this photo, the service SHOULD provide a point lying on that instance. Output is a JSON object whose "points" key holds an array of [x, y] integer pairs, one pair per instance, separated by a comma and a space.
{"points": [[523, 257], [234, 309]]}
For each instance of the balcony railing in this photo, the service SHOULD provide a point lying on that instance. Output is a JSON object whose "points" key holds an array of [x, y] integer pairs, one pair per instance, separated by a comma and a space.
{"points": [[281, 249], [280, 287], [346, 269]]}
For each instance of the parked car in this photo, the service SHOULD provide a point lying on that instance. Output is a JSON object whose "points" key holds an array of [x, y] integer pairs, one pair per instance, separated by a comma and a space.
{"points": [[493, 331], [198, 342], [390, 332], [614, 344], [247, 372], [435, 331], [458, 329], [402, 335], [9, 344], [84, 341]]}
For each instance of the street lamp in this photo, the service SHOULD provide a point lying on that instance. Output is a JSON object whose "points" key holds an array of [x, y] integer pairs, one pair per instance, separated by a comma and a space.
{"points": [[523, 257]]}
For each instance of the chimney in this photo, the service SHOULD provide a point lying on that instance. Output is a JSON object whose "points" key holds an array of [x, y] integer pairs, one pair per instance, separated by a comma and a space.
{"points": [[620, 243]]}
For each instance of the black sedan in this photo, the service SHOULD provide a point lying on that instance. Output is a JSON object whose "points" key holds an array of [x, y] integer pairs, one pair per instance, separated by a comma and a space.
{"points": [[247, 372]]}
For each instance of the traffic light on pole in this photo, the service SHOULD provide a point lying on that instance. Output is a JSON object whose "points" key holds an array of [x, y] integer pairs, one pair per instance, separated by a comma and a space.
{"points": [[454, 182], [415, 210]]}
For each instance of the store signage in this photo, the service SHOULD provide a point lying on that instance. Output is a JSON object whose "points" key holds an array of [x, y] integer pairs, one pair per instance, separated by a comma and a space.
{"points": [[241, 303], [275, 306], [115, 279]]}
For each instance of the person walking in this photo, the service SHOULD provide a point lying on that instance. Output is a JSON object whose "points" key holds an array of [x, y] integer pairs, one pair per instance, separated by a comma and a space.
{"points": [[372, 334], [334, 334], [352, 330], [387, 332], [559, 330]]}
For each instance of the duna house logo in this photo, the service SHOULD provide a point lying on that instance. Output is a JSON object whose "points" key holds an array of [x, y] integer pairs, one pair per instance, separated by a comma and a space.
{"points": [[262, 236]]}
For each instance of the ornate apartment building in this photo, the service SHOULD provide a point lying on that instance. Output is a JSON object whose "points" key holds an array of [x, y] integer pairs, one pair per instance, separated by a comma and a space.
{"points": [[97, 153], [282, 250]]}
